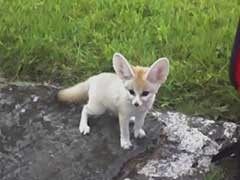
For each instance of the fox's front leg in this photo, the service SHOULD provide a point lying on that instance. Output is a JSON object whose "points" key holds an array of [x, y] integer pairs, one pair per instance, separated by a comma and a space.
{"points": [[124, 131], [139, 121]]}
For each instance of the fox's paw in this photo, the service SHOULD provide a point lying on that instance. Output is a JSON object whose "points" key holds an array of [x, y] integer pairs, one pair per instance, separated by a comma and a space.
{"points": [[84, 129], [139, 134], [132, 119], [126, 144]]}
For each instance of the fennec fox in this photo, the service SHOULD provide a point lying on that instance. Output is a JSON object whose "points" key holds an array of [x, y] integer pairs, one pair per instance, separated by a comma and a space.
{"points": [[128, 93]]}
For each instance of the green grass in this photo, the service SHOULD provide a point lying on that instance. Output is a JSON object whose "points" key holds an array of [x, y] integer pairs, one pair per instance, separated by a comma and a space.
{"points": [[68, 40], [215, 173]]}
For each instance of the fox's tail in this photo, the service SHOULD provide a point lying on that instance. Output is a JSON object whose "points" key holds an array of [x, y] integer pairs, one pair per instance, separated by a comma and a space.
{"points": [[76, 93]]}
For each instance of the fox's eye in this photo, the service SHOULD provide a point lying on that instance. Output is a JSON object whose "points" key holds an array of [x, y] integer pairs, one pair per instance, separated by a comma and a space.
{"points": [[131, 91], [145, 93]]}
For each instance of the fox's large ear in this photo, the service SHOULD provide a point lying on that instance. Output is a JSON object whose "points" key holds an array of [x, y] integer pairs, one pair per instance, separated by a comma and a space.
{"points": [[122, 67], [158, 71]]}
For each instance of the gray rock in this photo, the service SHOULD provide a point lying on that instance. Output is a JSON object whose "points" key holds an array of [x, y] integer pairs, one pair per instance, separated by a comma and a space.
{"points": [[39, 139]]}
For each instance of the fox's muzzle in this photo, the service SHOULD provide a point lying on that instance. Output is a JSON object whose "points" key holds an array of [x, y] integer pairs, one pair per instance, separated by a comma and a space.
{"points": [[137, 101]]}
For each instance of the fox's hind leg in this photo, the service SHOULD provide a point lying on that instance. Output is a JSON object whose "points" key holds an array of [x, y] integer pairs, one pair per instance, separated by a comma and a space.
{"points": [[89, 109]]}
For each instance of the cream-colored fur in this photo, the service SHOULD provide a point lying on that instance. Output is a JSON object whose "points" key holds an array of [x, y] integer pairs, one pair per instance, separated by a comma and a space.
{"points": [[77, 93], [109, 91]]}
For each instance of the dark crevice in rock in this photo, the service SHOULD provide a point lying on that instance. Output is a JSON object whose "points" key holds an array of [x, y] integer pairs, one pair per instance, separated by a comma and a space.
{"points": [[129, 168], [228, 151]]}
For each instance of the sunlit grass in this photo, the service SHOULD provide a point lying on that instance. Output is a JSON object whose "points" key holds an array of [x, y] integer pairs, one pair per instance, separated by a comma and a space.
{"points": [[67, 41]]}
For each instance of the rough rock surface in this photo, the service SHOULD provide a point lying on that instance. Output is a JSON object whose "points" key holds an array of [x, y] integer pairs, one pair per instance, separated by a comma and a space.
{"points": [[39, 139]]}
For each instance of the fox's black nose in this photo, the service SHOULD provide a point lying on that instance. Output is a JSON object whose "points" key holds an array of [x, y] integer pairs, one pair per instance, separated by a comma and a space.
{"points": [[136, 104]]}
